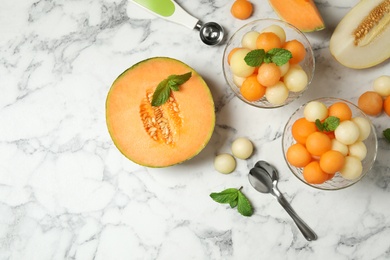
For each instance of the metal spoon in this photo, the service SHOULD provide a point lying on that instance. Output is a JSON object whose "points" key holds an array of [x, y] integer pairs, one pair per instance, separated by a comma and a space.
{"points": [[211, 33], [264, 178]]}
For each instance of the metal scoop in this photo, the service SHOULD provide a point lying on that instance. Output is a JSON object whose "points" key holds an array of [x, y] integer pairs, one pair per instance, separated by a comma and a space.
{"points": [[264, 178], [210, 33]]}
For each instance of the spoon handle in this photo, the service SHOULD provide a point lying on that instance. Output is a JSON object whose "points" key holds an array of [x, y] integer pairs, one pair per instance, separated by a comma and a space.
{"points": [[307, 232]]}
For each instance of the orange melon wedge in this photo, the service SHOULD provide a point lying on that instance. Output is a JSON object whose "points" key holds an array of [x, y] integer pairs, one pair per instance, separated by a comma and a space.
{"points": [[303, 14], [165, 135]]}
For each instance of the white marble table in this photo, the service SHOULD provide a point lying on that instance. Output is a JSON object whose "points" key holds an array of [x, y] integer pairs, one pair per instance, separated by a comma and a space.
{"points": [[67, 193]]}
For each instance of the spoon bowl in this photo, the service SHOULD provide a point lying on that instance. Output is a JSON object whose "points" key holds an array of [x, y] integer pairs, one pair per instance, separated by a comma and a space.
{"points": [[264, 178]]}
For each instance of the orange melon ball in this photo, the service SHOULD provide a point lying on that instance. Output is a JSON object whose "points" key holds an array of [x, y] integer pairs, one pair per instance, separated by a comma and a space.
{"points": [[313, 173], [251, 89], [298, 156], [332, 161], [340, 110], [318, 143], [268, 41], [268, 74], [297, 50], [386, 105], [371, 103], [241, 9], [301, 129]]}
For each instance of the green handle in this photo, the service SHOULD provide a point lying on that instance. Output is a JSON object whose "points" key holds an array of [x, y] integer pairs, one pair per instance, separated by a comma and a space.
{"points": [[162, 7]]}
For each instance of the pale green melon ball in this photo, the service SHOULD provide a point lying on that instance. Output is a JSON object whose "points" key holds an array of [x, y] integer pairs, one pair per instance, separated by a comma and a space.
{"points": [[358, 149], [382, 85], [347, 132], [224, 163], [338, 146], [352, 168], [277, 94], [295, 79], [242, 148], [284, 68], [364, 127], [238, 65], [315, 110], [249, 40]]}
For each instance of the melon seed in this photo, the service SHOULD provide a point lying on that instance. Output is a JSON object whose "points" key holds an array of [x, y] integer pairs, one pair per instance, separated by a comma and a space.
{"points": [[373, 25]]}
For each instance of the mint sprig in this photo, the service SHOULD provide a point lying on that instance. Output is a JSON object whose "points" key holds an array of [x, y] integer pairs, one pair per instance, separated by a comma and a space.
{"points": [[386, 134], [164, 88], [235, 198], [329, 124], [279, 56]]}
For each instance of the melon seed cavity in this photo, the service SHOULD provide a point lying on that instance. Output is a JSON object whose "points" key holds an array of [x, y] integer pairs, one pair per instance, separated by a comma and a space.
{"points": [[161, 123], [373, 25]]}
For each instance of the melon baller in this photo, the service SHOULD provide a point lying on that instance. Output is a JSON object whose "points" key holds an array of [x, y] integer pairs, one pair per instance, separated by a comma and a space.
{"points": [[210, 33]]}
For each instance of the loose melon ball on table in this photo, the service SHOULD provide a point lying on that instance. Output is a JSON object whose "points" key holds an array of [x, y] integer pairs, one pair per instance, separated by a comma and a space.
{"points": [[162, 134], [224, 163], [241, 9], [242, 148], [238, 64], [382, 85], [371, 103]]}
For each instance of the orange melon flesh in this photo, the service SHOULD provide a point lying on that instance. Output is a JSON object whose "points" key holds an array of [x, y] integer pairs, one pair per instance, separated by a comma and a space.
{"points": [[303, 14], [189, 115]]}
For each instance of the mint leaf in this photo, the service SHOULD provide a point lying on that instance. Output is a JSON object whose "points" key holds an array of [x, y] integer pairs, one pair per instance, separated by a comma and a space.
{"points": [[244, 206], [161, 94], [235, 198], [329, 124], [255, 58], [164, 88], [386, 134], [226, 196], [278, 56]]}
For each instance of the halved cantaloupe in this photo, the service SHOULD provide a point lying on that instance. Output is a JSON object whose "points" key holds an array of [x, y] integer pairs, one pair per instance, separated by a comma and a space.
{"points": [[362, 38], [303, 14], [159, 136]]}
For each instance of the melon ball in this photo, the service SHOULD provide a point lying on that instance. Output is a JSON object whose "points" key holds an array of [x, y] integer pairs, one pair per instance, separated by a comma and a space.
{"points": [[295, 79], [284, 68], [238, 65], [249, 40], [338, 146], [382, 85], [347, 132], [277, 94], [242, 148], [364, 127], [358, 149], [315, 110], [279, 31], [224, 163], [352, 169], [238, 80]]}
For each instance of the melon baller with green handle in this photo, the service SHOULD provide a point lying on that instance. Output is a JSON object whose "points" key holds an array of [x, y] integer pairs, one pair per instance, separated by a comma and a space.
{"points": [[210, 33]]}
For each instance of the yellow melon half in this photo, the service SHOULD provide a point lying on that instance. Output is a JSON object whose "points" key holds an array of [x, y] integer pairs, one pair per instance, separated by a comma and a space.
{"points": [[362, 38], [164, 135]]}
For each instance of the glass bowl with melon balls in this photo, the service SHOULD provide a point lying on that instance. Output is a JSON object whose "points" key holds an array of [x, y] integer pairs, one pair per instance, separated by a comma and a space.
{"points": [[329, 143], [268, 63]]}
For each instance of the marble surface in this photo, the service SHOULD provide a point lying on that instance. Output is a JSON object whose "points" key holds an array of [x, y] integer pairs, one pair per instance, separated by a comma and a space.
{"points": [[66, 192]]}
